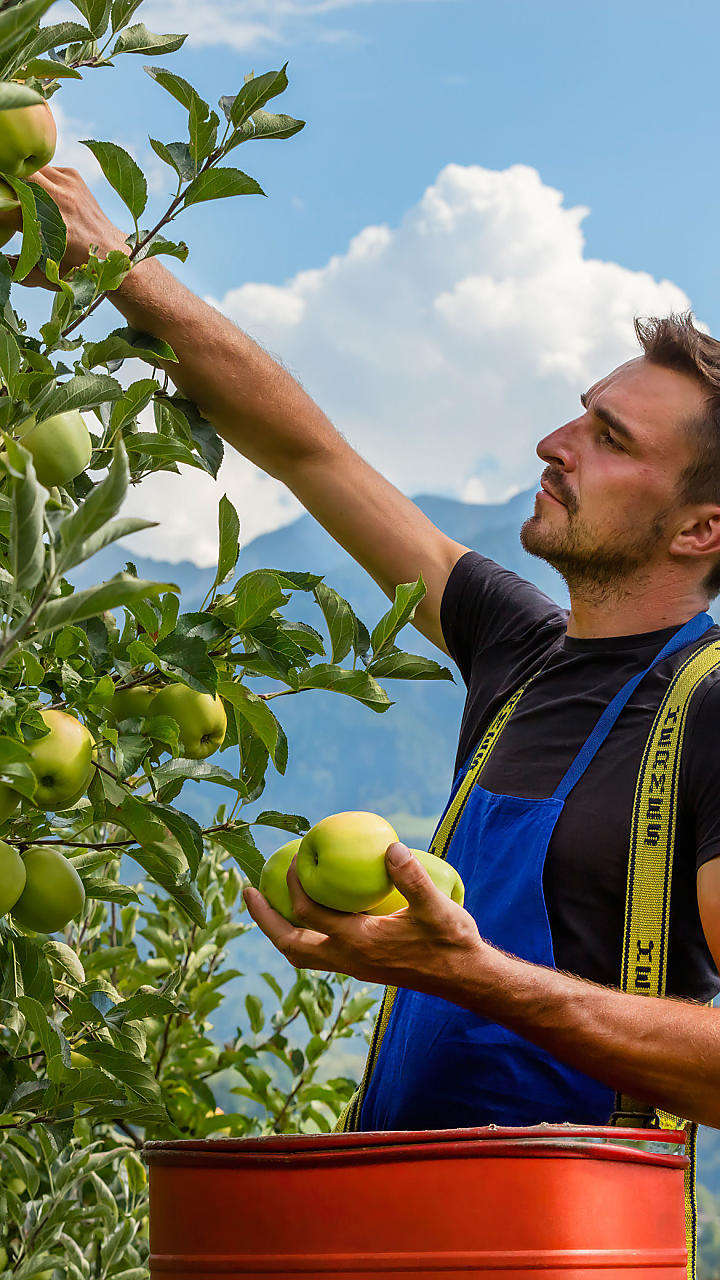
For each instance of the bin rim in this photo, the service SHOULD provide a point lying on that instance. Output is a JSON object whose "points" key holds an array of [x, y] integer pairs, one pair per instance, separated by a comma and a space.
{"points": [[604, 1142]]}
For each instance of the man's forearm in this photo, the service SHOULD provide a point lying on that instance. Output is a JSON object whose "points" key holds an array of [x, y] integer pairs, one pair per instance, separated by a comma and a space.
{"points": [[663, 1051], [249, 398]]}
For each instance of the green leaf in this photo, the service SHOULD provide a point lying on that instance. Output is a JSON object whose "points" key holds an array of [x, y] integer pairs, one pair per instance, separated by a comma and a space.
{"points": [[14, 95], [56, 35], [101, 504], [84, 391], [203, 134], [177, 155], [132, 402], [180, 89], [53, 235], [110, 532], [46, 69], [95, 600], [340, 620], [282, 821], [407, 597], [102, 889], [194, 771], [240, 845], [128, 344], [138, 39], [31, 243], [131, 1071], [254, 94], [122, 12], [257, 714], [96, 14], [217, 184], [186, 830], [262, 124], [27, 552], [229, 535], [255, 597], [187, 656], [356, 684], [408, 666], [9, 358], [21, 20], [121, 171]]}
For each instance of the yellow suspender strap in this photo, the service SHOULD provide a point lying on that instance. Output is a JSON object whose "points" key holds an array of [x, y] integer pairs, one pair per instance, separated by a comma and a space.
{"points": [[350, 1117], [647, 903]]}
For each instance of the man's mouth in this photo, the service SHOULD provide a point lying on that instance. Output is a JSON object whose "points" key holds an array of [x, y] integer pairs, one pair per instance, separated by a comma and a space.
{"points": [[549, 492]]}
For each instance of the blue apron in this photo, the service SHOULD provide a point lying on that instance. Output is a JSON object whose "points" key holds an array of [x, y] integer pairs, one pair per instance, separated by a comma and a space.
{"points": [[441, 1066]]}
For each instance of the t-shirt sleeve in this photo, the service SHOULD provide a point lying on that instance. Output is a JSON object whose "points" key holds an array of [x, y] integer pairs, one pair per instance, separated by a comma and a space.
{"points": [[484, 604], [701, 770]]}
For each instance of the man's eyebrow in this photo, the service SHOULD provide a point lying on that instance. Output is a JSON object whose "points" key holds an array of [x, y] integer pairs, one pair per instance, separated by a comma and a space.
{"points": [[609, 418]]}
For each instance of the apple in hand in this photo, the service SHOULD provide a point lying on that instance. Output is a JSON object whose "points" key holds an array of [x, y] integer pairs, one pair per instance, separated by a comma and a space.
{"points": [[61, 447], [341, 860], [443, 875], [28, 138], [12, 877], [61, 761], [54, 893], [200, 717], [273, 879]]}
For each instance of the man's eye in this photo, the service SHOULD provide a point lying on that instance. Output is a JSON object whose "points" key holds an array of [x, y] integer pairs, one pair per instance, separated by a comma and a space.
{"points": [[608, 439]]}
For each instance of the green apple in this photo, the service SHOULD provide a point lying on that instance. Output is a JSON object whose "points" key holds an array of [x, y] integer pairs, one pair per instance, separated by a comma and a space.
{"points": [[10, 213], [443, 876], [9, 801], [54, 893], [12, 877], [28, 138], [273, 879], [78, 1059], [134, 701], [61, 447], [61, 761], [200, 717], [341, 861]]}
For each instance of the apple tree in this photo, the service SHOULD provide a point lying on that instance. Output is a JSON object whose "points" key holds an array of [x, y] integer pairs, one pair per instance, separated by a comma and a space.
{"points": [[106, 1018]]}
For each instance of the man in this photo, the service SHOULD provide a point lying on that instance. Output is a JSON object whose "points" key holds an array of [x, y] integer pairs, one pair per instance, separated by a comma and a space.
{"points": [[629, 513]]}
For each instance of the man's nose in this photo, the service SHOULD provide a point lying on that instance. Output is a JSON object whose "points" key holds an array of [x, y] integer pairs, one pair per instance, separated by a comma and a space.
{"points": [[558, 449]]}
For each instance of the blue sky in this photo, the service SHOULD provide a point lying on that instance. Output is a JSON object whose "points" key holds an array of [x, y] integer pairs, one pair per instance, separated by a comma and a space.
{"points": [[612, 107]]}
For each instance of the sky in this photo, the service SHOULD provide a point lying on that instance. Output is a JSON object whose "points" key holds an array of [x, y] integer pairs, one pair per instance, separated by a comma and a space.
{"points": [[453, 249]]}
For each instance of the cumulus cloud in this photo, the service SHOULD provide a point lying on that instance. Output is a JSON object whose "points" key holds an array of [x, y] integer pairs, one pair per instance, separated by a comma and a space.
{"points": [[443, 348]]}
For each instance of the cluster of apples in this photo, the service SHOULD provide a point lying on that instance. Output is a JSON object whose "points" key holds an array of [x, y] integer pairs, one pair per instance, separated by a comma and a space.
{"points": [[341, 864], [41, 886], [200, 717], [61, 447]]}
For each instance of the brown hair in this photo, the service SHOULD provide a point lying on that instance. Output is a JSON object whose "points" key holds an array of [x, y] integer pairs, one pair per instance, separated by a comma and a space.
{"points": [[675, 342]]}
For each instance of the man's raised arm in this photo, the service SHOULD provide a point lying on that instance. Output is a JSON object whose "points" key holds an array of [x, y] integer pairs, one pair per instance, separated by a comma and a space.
{"points": [[264, 413]]}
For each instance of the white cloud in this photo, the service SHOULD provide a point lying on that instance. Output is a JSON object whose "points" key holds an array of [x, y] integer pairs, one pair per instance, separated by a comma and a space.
{"points": [[443, 349], [258, 24]]}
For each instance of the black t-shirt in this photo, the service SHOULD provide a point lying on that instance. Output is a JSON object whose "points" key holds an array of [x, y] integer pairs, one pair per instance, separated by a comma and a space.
{"points": [[499, 629]]}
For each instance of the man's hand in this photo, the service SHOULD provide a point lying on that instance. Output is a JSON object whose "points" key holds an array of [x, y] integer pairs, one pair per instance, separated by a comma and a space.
{"points": [[85, 221], [427, 946]]}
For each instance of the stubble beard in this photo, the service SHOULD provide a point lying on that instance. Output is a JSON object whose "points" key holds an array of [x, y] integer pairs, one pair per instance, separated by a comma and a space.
{"points": [[596, 569]]}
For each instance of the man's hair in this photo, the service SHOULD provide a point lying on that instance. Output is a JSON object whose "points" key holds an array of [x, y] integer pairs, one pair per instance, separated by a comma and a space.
{"points": [[674, 342]]}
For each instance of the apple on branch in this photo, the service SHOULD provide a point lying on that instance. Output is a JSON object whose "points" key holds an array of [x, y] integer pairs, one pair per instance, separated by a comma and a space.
{"points": [[54, 893], [28, 138], [200, 718]]}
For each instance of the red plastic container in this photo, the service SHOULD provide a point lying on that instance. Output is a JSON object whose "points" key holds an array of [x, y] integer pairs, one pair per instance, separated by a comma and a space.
{"points": [[568, 1203]]}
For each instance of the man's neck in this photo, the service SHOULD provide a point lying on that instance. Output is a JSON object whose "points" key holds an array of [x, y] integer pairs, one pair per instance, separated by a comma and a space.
{"points": [[632, 615]]}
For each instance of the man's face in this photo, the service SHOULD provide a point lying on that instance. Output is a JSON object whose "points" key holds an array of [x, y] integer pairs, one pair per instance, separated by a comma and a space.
{"points": [[615, 470]]}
